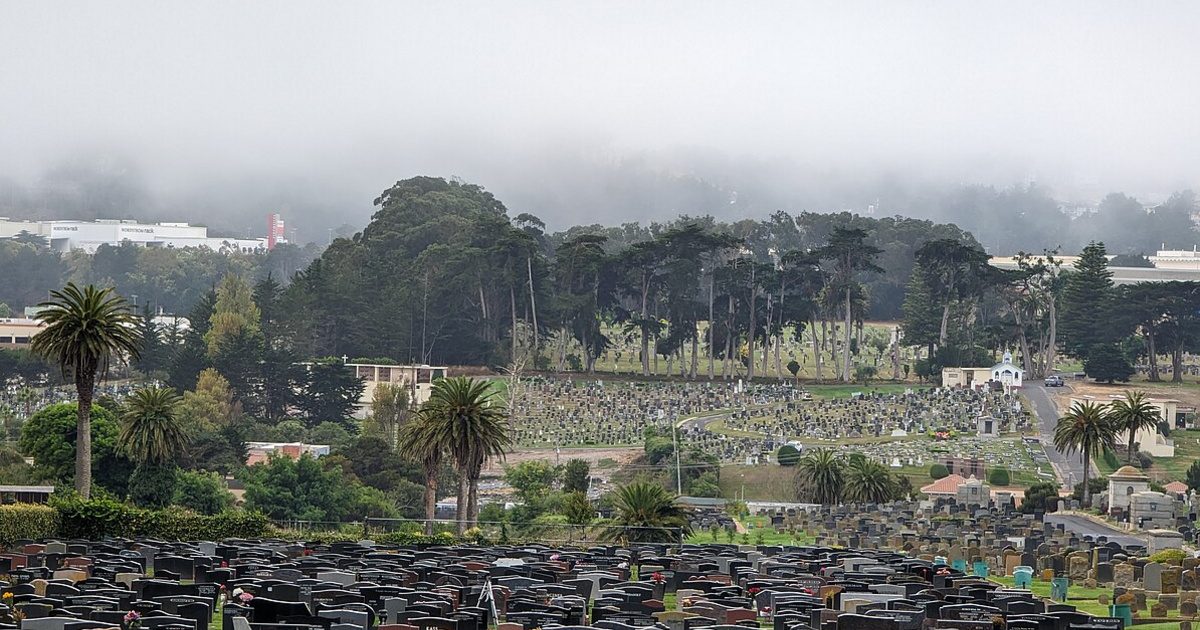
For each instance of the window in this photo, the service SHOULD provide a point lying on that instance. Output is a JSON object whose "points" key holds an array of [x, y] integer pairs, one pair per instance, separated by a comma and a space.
{"points": [[20, 339]]}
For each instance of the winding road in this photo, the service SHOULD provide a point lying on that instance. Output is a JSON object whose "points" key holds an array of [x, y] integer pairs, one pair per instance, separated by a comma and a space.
{"points": [[1068, 468]]}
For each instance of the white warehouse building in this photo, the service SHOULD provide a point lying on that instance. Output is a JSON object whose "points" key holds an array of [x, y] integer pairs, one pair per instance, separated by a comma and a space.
{"points": [[66, 236]]}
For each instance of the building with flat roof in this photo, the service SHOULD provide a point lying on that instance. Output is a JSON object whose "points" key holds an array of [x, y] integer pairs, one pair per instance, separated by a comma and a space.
{"points": [[88, 236], [418, 379], [17, 332]]}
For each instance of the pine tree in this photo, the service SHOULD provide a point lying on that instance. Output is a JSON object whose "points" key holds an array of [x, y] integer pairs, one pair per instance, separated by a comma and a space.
{"points": [[1085, 319], [921, 315]]}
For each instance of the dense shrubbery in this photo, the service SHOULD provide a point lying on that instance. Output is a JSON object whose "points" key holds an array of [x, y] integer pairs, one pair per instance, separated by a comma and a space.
{"points": [[102, 518], [26, 521]]}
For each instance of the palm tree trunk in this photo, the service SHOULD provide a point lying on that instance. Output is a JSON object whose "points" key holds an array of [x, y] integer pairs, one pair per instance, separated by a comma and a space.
{"points": [[85, 384], [1087, 467], [1132, 435], [431, 485], [473, 501], [461, 506]]}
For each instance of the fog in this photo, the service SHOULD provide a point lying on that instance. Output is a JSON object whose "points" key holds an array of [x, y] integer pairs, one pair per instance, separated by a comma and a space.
{"points": [[218, 112]]}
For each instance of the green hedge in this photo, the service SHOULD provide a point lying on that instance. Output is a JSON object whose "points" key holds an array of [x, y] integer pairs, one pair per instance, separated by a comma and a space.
{"points": [[26, 521], [105, 518]]}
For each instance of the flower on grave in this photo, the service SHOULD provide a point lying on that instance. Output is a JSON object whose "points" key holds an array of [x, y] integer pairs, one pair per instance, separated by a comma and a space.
{"points": [[657, 578], [7, 595], [131, 621], [245, 597], [943, 572]]}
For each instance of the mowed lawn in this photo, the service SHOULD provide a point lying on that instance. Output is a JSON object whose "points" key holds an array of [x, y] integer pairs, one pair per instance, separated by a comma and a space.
{"points": [[1087, 600], [1187, 450]]}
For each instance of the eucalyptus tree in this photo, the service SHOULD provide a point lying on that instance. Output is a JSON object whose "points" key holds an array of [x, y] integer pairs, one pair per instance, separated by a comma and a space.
{"points": [[585, 280], [850, 255], [953, 271]]}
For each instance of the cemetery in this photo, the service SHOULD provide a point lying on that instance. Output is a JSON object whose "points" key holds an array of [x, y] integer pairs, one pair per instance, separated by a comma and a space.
{"points": [[745, 423], [886, 568]]}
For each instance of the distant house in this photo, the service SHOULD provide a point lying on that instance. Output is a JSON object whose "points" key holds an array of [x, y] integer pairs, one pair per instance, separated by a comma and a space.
{"points": [[262, 451]]}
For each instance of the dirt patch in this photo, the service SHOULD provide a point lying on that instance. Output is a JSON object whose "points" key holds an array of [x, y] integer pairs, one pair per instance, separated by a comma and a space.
{"points": [[1187, 396], [621, 455]]}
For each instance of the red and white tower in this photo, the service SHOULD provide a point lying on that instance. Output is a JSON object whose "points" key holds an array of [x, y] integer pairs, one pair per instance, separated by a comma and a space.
{"points": [[274, 230]]}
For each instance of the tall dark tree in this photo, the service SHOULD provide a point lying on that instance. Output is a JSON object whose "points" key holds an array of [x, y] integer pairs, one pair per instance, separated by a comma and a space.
{"points": [[921, 314], [1086, 313], [153, 349], [330, 392], [190, 357]]}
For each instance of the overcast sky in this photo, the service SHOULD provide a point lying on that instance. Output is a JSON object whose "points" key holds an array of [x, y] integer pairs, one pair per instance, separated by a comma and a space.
{"points": [[327, 102]]}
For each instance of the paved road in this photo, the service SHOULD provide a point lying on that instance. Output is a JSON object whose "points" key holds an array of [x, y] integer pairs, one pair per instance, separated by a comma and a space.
{"points": [[1082, 526], [1069, 468]]}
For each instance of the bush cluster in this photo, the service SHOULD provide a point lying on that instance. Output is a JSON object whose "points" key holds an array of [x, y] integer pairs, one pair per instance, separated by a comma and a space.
{"points": [[23, 521], [102, 518]]}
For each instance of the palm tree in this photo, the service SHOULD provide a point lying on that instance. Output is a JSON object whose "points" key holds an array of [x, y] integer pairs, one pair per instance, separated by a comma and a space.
{"points": [[417, 441], [1132, 414], [819, 477], [85, 330], [1086, 428], [151, 431], [646, 513], [868, 481], [467, 420]]}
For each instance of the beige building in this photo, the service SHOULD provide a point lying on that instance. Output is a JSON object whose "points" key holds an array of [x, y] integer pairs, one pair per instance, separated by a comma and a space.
{"points": [[418, 379], [16, 332], [965, 377], [1149, 439]]}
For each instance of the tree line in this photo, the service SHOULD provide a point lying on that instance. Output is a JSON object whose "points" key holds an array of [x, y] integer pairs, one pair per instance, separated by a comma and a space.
{"points": [[442, 274]]}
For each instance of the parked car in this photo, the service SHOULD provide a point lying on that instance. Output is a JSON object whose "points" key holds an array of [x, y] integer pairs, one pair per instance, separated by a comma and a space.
{"points": [[1054, 381]]}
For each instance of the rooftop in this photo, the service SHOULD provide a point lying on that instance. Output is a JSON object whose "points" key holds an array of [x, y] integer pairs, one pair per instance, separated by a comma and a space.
{"points": [[946, 485]]}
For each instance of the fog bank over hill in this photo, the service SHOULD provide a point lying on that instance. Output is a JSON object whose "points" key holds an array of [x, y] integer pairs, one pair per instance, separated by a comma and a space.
{"points": [[600, 112]]}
